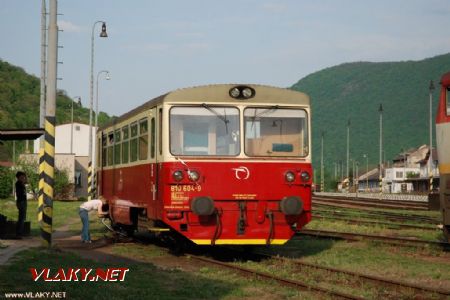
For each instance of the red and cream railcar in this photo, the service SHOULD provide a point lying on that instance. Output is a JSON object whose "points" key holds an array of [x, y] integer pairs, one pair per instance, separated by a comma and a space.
{"points": [[443, 149], [219, 164]]}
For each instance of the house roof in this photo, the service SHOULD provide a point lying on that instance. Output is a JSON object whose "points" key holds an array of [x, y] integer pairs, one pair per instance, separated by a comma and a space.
{"points": [[373, 174]]}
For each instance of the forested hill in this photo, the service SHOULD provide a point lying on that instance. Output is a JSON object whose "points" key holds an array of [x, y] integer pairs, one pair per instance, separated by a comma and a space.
{"points": [[19, 104], [354, 91]]}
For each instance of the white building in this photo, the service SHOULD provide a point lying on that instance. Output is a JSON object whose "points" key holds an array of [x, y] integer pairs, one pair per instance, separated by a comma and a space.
{"points": [[63, 139], [72, 153], [411, 171]]}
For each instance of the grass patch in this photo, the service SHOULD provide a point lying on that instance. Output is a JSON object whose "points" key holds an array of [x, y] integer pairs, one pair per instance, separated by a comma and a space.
{"points": [[143, 281], [64, 213]]}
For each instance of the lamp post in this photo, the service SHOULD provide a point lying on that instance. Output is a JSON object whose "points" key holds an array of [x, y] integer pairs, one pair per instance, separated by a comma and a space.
{"points": [[322, 181], [366, 156], [380, 110], [94, 168], [357, 179], [348, 152], [71, 124], [91, 103], [430, 158], [96, 96]]}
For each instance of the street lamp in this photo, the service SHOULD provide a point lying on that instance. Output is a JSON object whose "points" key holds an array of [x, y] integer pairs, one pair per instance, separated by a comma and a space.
{"points": [[102, 34], [430, 158], [71, 123], [366, 156]]}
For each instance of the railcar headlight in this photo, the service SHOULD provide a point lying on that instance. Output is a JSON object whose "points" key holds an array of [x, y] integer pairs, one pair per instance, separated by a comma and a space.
{"points": [[235, 92], [289, 176], [193, 175], [247, 93], [305, 176], [177, 175]]}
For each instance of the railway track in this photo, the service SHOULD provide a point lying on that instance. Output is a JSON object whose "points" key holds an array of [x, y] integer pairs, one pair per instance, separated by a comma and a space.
{"points": [[401, 241], [391, 204], [358, 279], [366, 277], [273, 278], [362, 211], [374, 223]]}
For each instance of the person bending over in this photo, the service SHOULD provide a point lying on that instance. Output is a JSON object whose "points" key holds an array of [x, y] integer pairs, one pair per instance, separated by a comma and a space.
{"points": [[85, 208]]}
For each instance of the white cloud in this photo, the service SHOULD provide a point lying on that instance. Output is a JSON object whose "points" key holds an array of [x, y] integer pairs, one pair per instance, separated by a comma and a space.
{"points": [[69, 26], [193, 35], [275, 7], [197, 46]]}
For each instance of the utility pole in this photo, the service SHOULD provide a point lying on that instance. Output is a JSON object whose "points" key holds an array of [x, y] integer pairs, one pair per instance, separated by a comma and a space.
{"points": [[42, 108], [430, 158], [45, 209], [380, 110], [348, 152], [322, 181]]}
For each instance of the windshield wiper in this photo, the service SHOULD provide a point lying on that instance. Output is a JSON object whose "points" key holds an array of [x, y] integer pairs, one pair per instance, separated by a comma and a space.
{"points": [[221, 117], [265, 111]]}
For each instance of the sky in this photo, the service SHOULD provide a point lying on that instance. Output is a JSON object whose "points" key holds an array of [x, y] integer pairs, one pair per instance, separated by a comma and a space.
{"points": [[154, 47]]}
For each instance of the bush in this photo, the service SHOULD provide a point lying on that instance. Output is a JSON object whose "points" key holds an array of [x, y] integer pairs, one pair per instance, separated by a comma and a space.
{"points": [[61, 180], [6, 182]]}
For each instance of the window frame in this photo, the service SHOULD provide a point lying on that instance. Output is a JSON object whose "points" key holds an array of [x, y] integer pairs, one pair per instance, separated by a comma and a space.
{"points": [[306, 133], [212, 106]]}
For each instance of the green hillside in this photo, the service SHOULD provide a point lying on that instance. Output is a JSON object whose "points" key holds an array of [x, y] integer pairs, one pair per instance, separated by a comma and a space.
{"points": [[355, 90], [19, 105]]}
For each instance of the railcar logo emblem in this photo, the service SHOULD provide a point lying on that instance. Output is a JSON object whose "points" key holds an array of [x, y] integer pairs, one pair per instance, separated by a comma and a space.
{"points": [[241, 173]]}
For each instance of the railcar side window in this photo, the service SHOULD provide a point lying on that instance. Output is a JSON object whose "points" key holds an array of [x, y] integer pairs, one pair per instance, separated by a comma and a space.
{"points": [[104, 149], [448, 101], [204, 130], [99, 150], [134, 142], [273, 131], [117, 144], [125, 144], [152, 138], [110, 148], [143, 139]]}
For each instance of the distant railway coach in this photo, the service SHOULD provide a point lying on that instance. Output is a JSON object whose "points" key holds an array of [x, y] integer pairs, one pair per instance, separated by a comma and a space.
{"points": [[443, 149], [218, 164]]}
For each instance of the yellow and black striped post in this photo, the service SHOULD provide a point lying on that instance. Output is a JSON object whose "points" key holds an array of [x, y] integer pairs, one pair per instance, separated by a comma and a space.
{"points": [[89, 187], [41, 185], [46, 181]]}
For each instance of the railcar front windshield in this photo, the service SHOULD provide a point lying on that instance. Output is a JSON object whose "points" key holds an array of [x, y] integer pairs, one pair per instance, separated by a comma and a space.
{"points": [[204, 131], [277, 132]]}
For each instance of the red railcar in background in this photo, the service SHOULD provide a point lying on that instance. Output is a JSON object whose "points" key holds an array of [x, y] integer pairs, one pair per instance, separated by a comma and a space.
{"points": [[218, 164], [443, 149]]}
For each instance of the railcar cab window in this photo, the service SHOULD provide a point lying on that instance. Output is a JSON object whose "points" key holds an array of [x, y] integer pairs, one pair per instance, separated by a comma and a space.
{"points": [[278, 132], [204, 130]]}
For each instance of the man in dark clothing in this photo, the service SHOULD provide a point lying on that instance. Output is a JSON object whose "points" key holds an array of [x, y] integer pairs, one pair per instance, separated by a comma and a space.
{"points": [[21, 202]]}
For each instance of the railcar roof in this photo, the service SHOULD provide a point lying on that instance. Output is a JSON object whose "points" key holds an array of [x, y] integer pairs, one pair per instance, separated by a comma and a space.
{"points": [[220, 93]]}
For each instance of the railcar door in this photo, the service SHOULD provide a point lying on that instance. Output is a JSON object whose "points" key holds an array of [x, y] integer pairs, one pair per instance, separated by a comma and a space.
{"points": [[153, 203]]}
